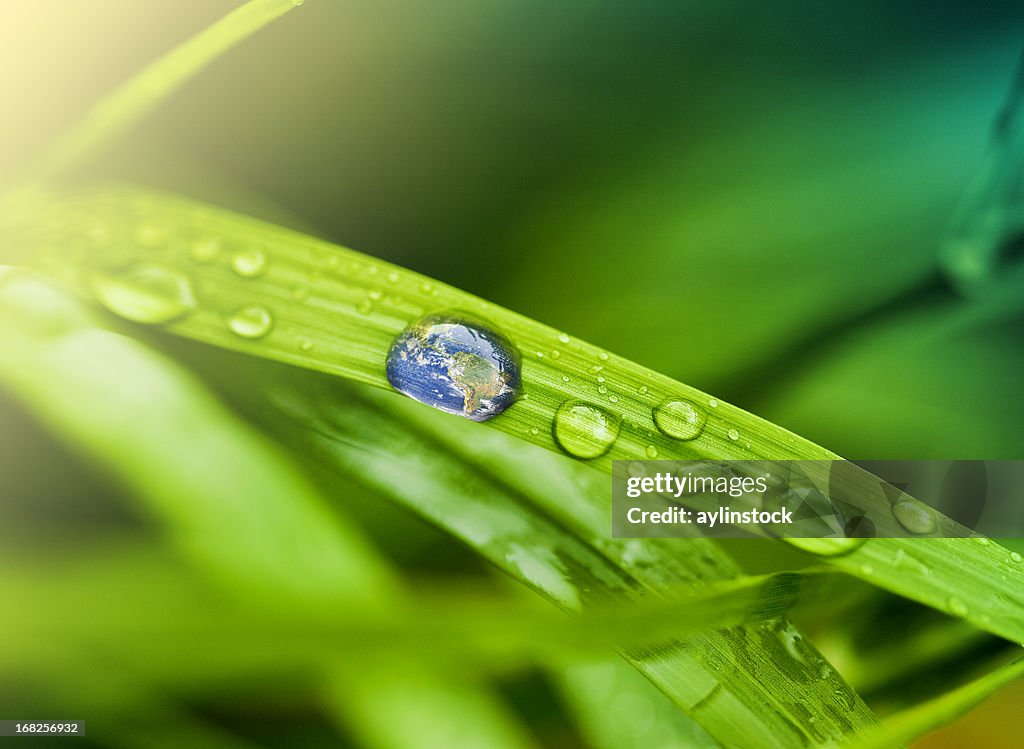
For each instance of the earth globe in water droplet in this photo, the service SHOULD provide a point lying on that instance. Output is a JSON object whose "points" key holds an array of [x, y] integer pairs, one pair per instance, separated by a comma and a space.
{"points": [[456, 364]]}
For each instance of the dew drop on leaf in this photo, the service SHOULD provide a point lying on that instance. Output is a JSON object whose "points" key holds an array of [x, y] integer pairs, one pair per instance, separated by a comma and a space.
{"points": [[679, 419], [1015, 557], [914, 516], [249, 263], [733, 435], [652, 452], [205, 250], [956, 606], [585, 431], [251, 321], [455, 364], [150, 294]]}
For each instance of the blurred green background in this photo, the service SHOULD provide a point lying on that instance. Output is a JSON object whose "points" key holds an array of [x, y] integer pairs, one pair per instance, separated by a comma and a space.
{"points": [[749, 197]]}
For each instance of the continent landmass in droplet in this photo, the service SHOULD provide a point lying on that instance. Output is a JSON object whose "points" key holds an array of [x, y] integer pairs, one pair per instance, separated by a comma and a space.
{"points": [[455, 364]]}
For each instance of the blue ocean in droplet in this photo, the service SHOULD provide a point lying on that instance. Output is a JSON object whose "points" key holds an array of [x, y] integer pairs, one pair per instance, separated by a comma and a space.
{"points": [[456, 364]]}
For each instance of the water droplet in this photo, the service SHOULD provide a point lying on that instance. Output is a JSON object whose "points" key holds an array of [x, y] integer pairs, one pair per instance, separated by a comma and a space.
{"points": [[733, 434], [427, 288], [956, 606], [596, 368], [1015, 557], [642, 390], [585, 431], [374, 295], [680, 419], [602, 356], [540, 354], [251, 321], [713, 403], [914, 516], [306, 346], [565, 378], [249, 263], [365, 307], [205, 250], [563, 337], [534, 431], [652, 452], [555, 353], [148, 294], [393, 277], [600, 379], [613, 398], [602, 389], [982, 540], [455, 364], [149, 235]]}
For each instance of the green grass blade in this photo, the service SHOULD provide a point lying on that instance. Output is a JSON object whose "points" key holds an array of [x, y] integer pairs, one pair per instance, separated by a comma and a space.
{"points": [[116, 114], [740, 684], [261, 527], [337, 311], [917, 721]]}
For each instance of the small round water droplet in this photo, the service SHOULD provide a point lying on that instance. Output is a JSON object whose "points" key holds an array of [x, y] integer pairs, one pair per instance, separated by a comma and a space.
{"points": [[565, 378], [249, 263], [956, 606], [602, 356], [585, 431], [455, 364], [1015, 557], [652, 452], [642, 390], [555, 353], [563, 338], [680, 419], [427, 288], [364, 307], [205, 250], [150, 294], [306, 346], [600, 379], [540, 354], [374, 295], [733, 434], [713, 403], [149, 235], [534, 431], [251, 321], [393, 277], [596, 368], [613, 398], [982, 540], [602, 389], [914, 516]]}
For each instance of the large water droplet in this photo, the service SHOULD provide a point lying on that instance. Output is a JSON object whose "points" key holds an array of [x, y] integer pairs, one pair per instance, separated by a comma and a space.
{"points": [[914, 516], [455, 364], [249, 263], [252, 321], [150, 294], [585, 431], [680, 419]]}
